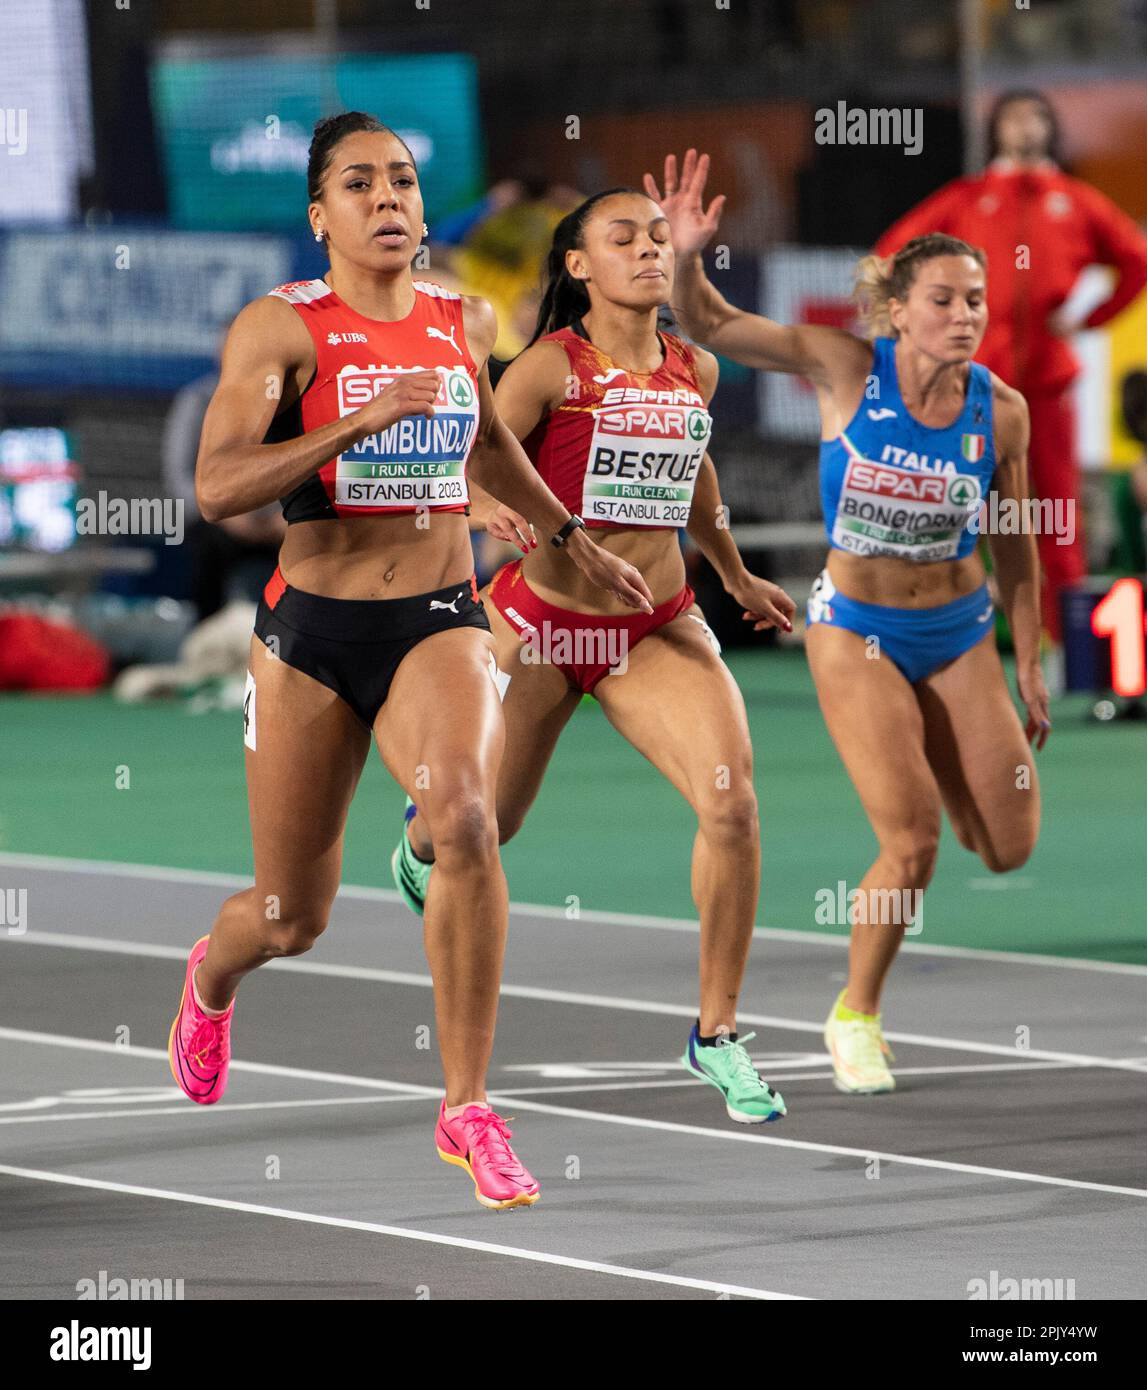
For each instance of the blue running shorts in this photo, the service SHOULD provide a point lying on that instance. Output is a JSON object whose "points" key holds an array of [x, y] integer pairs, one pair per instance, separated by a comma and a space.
{"points": [[919, 640]]}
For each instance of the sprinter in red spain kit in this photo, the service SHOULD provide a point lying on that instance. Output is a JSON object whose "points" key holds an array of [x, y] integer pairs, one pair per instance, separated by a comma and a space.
{"points": [[614, 414]]}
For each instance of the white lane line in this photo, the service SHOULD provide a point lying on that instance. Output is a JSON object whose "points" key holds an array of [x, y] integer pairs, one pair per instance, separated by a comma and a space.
{"points": [[592, 916], [1005, 883], [558, 996], [121, 869], [401, 1232], [40, 1117], [913, 1160], [181, 1108], [600, 1116], [149, 1054], [779, 1078]]}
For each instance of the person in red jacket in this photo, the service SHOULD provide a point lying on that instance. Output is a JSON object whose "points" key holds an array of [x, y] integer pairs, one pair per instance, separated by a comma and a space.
{"points": [[1039, 228]]}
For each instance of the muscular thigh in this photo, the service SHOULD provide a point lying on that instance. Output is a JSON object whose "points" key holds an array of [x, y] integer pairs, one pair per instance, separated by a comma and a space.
{"points": [[305, 750], [976, 746], [878, 729], [440, 731], [537, 703], [679, 706]]}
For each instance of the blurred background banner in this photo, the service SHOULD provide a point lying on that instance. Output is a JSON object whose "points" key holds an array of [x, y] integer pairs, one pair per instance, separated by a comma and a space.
{"points": [[801, 284], [38, 489], [234, 130], [135, 308], [758, 150], [44, 74]]}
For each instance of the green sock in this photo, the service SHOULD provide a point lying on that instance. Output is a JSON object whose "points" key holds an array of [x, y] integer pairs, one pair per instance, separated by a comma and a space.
{"points": [[843, 1014]]}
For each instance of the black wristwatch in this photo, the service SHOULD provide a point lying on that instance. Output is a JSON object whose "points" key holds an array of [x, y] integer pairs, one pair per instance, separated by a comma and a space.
{"points": [[567, 531]]}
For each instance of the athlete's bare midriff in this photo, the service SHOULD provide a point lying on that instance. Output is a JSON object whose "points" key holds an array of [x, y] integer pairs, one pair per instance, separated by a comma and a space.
{"points": [[378, 557], [655, 554], [893, 582]]}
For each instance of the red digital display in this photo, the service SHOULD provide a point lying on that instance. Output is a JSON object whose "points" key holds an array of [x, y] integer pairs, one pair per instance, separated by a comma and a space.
{"points": [[1119, 615]]}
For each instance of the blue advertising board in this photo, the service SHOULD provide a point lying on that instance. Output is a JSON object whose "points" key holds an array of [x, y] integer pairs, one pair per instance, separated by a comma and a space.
{"points": [[130, 308]]}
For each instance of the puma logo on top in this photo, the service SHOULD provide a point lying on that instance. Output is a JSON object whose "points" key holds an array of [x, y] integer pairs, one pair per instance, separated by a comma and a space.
{"points": [[437, 603], [432, 332]]}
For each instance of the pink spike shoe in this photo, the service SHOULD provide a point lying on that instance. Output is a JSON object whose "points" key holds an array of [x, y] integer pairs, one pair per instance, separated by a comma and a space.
{"points": [[199, 1048], [478, 1140]]}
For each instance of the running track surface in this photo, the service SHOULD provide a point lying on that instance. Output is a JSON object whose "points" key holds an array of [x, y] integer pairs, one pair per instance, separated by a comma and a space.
{"points": [[1014, 1143], [606, 828]]}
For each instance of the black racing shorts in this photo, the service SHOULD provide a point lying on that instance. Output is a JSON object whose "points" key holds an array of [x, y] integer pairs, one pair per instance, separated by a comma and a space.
{"points": [[353, 646]]}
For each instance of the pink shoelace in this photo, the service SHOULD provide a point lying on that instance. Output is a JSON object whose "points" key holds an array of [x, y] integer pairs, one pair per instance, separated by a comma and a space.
{"points": [[206, 1045], [492, 1132]]}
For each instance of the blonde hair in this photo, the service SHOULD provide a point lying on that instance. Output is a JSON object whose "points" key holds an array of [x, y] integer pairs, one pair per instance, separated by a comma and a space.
{"points": [[882, 278]]}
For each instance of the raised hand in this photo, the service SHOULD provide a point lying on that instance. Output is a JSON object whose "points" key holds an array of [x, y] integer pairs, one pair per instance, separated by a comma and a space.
{"points": [[691, 225]]}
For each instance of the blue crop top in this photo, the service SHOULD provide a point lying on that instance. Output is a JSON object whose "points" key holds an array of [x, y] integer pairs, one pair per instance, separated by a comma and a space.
{"points": [[892, 486]]}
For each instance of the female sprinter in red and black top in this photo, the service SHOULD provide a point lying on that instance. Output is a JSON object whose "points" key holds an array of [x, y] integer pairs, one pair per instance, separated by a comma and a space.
{"points": [[374, 387], [614, 415]]}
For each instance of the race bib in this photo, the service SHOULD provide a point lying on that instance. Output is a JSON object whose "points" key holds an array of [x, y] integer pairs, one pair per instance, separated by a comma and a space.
{"points": [[249, 713], [820, 599], [500, 678], [710, 635], [885, 510], [643, 463], [417, 462]]}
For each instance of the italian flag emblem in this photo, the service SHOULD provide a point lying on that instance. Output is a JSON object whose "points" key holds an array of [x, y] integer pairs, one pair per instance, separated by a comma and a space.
{"points": [[972, 447]]}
